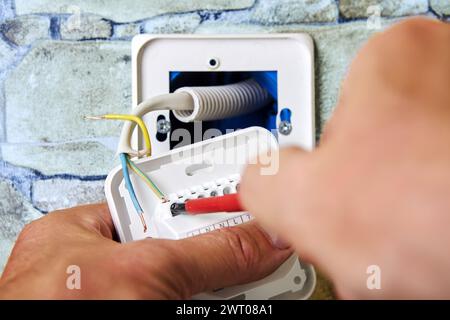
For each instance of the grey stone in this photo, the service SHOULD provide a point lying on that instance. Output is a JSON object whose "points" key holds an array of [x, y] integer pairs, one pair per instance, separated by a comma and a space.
{"points": [[385, 8], [126, 31], [24, 30], [294, 11], [123, 11], [6, 246], [15, 212], [2, 118], [7, 55], [335, 48], [55, 194], [181, 23], [22, 177], [65, 81], [441, 7], [85, 26], [76, 158], [6, 10]]}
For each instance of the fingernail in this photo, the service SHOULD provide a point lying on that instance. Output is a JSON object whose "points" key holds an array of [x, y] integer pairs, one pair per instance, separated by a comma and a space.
{"points": [[280, 243], [277, 241]]}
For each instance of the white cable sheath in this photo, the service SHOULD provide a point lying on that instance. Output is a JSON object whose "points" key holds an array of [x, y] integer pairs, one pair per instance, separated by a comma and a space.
{"points": [[170, 101], [199, 104], [220, 102]]}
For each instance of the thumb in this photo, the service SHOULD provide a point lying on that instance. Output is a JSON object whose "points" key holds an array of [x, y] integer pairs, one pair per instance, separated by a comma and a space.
{"points": [[217, 259]]}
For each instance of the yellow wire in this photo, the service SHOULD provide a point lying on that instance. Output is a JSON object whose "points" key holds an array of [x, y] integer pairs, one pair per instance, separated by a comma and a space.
{"points": [[131, 164], [139, 122], [147, 180]]}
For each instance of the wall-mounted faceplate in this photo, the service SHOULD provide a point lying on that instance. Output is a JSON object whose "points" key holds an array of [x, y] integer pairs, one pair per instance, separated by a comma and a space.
{"points": [[282, 63]]}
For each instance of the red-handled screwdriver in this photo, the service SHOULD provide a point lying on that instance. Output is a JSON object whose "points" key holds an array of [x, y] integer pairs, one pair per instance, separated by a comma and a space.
{"points": [[225, 203]]}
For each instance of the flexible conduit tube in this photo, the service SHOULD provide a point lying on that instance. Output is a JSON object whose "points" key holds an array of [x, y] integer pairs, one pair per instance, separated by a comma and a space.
{"points": [[220, 102], [199, 104]]}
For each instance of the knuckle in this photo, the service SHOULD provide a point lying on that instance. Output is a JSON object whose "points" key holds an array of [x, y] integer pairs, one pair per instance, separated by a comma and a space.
{"points": [[31, 232], [28, 230], [90, 222], [244, 252]]}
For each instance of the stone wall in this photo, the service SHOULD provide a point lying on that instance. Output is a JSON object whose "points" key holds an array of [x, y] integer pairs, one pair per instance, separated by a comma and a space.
{"points": [[61, 59]]}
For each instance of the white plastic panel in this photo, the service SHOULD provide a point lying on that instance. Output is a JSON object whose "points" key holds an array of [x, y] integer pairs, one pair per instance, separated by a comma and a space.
{"points": [[291, 55], [226, 156]]}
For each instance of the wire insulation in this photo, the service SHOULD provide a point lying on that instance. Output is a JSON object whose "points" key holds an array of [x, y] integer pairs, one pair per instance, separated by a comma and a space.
{"points": [[170, 101], [135, 120], [126, 177], [146, 179], [129, 185]]}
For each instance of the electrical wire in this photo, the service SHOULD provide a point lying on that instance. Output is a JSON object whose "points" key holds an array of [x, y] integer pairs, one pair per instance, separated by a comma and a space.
{"points": [[126, 176], [126, 161], [144, 130], [170, 101], [146, 179], [195, 103], [132, 118]]}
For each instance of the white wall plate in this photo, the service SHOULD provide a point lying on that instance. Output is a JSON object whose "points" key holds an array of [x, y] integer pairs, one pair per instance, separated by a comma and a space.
{"points": [[291, 56]]}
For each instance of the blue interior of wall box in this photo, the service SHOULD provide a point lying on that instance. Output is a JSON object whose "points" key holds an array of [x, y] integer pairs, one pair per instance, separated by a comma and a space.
{"points": [[265, 117]]}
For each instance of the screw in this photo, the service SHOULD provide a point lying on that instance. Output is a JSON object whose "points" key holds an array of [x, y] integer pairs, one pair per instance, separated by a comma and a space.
{"points": [[285, 128], [163, 126]]}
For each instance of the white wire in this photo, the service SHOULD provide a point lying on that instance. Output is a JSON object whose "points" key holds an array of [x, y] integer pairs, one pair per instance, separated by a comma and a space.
{"points": [[170, 101]]}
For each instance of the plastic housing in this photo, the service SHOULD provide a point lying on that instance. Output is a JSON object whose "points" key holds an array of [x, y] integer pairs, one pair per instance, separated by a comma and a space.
{"points": [[154, 57], [181, 173]]}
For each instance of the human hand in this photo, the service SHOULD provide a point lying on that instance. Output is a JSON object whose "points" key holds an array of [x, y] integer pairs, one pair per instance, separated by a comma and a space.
{"points": [[149, 269], [376, 190]]}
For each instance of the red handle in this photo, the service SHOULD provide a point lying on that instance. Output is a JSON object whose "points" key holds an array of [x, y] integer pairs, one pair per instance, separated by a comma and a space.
{"points": [[225, 203]]}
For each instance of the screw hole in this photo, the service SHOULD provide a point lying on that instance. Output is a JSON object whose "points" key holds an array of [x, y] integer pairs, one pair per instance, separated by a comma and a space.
{"points": [[213, 63]]}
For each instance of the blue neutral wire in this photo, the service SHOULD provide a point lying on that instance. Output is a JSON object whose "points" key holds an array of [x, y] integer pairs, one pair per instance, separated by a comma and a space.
{"points": [[126, 176]]}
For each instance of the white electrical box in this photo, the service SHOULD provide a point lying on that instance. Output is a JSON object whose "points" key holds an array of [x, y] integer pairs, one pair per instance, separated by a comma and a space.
{"points": [[189, 161]]}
